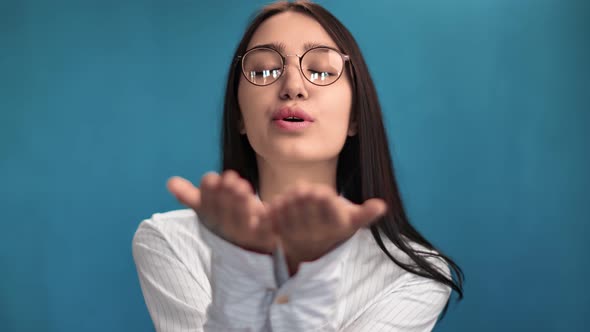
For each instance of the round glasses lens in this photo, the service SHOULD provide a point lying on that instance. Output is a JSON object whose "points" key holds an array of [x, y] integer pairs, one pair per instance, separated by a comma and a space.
{"points": [[262, 66], [322, 66]]}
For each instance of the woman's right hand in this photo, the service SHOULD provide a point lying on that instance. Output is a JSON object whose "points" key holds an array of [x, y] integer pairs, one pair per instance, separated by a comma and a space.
{"points": [[227, 206]]}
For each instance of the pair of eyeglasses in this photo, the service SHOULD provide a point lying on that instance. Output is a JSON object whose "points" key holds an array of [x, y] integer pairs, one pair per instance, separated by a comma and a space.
{"points": [[319, 65]]}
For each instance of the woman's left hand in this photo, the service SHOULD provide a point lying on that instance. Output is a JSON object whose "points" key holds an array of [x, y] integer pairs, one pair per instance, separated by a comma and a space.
{"points": [[313, 219]]}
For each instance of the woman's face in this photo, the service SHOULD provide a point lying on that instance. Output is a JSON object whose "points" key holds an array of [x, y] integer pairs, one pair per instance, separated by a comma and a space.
{"points": [[329, 106]]}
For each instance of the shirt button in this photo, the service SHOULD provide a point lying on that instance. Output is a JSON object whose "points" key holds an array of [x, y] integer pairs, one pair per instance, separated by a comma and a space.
{"points": [[282, 299]]}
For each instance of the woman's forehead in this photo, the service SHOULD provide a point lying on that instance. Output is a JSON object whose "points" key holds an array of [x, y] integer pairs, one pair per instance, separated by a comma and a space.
{"points": [[291, 32]]}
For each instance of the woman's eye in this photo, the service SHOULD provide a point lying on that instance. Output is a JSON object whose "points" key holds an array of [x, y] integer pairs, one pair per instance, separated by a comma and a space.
{"points": [[320, 75], [265, 72]]}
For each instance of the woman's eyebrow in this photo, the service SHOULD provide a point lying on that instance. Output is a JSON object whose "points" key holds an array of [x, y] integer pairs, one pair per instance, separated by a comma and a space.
{"points": [[274, 45], [311, 45], [282, 46]]}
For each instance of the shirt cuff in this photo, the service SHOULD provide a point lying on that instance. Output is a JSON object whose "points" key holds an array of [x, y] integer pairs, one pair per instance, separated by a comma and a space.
{"points": [[242, 285], [308, 300]]}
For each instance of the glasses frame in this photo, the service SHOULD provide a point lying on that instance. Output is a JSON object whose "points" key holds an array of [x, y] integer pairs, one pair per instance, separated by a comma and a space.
{"points": [[240, 58]]}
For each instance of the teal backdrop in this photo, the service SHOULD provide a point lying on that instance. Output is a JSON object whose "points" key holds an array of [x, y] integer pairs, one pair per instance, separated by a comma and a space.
{"points": [[487, 107]]}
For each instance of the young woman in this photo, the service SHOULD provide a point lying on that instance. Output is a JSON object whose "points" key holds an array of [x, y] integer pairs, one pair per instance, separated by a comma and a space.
{"points": [[304, 230]]}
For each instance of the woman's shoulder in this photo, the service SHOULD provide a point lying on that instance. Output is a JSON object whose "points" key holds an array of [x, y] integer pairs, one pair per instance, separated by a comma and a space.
{"points": [[371, 275], [170, 223], [432, 256], [175, 215], [370, 254], [174, 232]]}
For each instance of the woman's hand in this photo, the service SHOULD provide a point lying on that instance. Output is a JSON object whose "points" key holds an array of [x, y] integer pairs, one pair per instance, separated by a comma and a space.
{"points": [[311, 220], [228, 207]]}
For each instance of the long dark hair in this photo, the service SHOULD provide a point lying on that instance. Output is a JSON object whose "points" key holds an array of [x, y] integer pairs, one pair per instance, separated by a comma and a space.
{"points": [[364, 168]]}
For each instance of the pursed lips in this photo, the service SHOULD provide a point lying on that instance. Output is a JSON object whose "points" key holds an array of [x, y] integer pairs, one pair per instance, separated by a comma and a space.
{"points": [[291, 119], [293, 114]]}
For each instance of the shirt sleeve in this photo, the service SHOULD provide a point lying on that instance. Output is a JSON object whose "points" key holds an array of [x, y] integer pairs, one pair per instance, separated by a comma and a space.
{"points": [[175, 300], [308, 301], [242, 284], [413, 307]]}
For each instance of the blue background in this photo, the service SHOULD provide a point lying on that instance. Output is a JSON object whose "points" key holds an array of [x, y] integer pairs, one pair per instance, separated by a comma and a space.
{"points": [[487, 106]]}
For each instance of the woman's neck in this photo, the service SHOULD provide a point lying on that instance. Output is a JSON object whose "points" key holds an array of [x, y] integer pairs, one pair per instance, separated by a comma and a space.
{"points": [[275, 179]]}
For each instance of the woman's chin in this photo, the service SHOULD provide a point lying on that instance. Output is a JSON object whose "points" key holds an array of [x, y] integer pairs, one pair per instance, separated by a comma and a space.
{"points": [[301, 158]]}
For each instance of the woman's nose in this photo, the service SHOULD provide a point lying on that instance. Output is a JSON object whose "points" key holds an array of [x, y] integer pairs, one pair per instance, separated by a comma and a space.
{"points": [[293, 82]]}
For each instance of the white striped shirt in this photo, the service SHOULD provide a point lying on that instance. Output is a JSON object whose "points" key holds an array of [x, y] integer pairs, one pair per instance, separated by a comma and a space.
{"points": [[193, 280]]}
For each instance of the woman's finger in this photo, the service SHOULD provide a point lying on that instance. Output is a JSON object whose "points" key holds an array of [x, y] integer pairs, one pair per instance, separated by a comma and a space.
{"points": [[311, 207], [287, 215], [184, 191], [209, 190], [275, 214], [265, 224], [325, 210], [226, 199], [296, 208], [323, 198], [241, 204], [369, 211]]}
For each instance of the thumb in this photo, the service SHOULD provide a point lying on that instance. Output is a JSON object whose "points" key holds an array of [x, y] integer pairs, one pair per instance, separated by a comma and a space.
{"points": [[369, 211], [184, 191]]}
